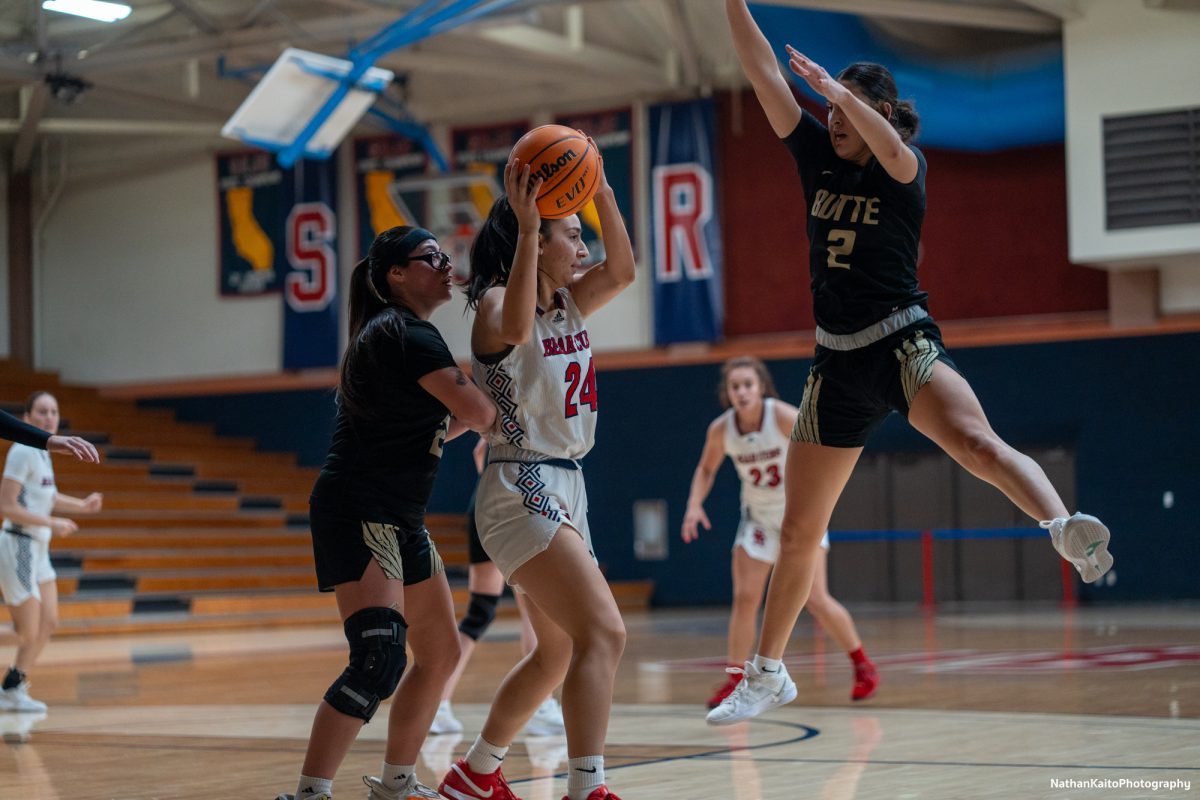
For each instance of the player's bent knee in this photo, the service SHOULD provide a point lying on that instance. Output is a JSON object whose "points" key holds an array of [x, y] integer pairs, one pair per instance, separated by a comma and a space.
{"points": [[481, 611], [377, 660]]}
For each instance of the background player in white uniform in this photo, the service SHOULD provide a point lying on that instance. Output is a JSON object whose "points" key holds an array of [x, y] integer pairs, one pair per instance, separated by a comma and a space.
{"points": [[28, 500], [533, 356], [754, 433]]}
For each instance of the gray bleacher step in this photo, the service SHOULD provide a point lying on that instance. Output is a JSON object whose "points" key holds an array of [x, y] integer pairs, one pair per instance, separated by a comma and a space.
{"points": [[101, 585], [161, 604], [215, 487], [172, 470], [127, 454], [260, 503], [296, 520]]}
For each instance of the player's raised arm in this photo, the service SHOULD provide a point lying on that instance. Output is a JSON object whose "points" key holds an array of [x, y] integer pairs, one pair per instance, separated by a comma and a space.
{"points": [[762, 69]]}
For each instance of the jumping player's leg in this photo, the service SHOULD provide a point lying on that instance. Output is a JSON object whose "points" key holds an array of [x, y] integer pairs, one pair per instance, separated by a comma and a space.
{"points": [[947, 411], [815, 476], [836, 620], [749, 580]]}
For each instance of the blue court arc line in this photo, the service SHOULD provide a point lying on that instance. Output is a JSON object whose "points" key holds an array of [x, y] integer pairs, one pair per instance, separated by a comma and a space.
{"points": [[808, 733]]}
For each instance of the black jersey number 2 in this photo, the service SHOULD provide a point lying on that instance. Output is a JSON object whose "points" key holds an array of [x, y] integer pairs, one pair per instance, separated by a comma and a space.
{"points": [[586, 390], [845, 244]]}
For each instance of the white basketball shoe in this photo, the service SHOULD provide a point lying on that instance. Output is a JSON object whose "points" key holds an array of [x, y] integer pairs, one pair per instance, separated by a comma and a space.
{"points": [[413, 789], [547, 720], [758, 692], [445, 721], [1083, 540], [18, 699]]}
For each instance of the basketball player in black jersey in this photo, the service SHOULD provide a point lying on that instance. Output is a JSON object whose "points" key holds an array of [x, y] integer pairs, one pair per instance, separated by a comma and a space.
{"points": [[400, 397], [878, 350]]}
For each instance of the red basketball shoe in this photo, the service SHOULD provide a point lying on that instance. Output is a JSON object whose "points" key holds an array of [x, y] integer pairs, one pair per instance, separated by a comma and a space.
{"points": [[866, 680], [461, 783], [599, 793], [725, 689]]}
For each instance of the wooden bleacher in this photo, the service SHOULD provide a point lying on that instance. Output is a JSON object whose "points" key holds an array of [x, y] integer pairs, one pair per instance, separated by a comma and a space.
{"points": [[198, 531]]}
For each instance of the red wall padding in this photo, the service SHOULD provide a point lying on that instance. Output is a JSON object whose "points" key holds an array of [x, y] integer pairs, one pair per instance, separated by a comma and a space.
{"points": [[994, 241]]}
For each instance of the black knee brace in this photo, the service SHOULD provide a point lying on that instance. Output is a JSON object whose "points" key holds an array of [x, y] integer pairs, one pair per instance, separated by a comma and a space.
{"points": [[377, 660], [480, 613]]}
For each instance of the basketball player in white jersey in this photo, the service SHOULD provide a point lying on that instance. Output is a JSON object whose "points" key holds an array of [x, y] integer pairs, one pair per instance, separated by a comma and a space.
{"points": [[29, 499], [532, 355], [754, 432]]}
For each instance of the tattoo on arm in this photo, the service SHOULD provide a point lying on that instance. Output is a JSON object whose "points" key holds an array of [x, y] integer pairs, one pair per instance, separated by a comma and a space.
{"points": [[459, 378]]}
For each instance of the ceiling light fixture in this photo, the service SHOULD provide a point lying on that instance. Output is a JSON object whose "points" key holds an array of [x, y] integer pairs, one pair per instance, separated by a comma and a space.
{"points": [[92, 9]]}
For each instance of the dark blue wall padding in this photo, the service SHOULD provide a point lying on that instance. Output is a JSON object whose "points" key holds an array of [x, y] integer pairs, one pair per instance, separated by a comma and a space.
{"points": [[1001, 100], [1127, 406]]}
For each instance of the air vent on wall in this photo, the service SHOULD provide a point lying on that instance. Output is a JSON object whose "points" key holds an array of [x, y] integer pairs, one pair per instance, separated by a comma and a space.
{"points": [[1152, 169]]}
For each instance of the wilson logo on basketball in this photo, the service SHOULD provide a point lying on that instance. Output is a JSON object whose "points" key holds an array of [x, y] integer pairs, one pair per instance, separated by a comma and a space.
{"points": [[548, 168]]}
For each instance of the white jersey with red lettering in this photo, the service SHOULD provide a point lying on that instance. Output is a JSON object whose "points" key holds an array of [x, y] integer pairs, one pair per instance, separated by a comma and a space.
{"points": [[545, 389], [759, 458]]}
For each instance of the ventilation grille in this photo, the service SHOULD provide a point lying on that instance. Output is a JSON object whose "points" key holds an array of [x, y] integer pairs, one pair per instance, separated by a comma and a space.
{"points": [[1152, 169]]}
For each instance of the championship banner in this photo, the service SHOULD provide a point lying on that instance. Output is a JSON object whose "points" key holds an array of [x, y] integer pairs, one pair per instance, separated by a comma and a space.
{"points": [[685, 223], [379, 163], [613, 133], [250, 212], [310, 311]]}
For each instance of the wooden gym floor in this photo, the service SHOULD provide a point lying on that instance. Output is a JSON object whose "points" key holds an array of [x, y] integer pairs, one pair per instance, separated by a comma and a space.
{"points": [[982, 702]]}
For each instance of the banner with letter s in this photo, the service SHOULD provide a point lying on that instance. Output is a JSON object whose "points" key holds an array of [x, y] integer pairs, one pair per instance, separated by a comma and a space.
{"points": [[684, 223], [310, 308]]}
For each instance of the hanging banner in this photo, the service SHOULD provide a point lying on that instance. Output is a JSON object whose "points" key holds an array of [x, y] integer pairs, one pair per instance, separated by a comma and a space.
{"points": [[379, 163], [310, 312], [613, 133], [478, 156], [684, 223], [250, 212]]}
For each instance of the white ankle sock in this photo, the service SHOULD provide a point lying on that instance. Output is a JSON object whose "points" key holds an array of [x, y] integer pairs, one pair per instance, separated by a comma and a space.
{"points": [[485, 757], [311, 787], [768, 664], [396, 776], [584, 775]]}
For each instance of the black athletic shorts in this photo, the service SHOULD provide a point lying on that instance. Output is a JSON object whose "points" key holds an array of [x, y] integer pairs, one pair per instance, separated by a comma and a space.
{"points": [[343, 546], [475, 552], [850, 392]]}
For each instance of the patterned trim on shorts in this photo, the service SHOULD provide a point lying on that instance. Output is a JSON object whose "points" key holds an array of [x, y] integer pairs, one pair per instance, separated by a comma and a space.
{"points": [[533, 492], [25, 562], [807, 428], [916, 356], [381, 539]]}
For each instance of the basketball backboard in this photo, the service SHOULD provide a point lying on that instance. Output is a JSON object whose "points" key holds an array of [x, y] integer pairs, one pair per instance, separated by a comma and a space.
{"points": [[293, 92]]}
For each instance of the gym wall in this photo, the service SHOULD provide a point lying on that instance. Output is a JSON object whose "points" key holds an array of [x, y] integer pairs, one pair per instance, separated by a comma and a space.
{"points": [[1112, 420]]}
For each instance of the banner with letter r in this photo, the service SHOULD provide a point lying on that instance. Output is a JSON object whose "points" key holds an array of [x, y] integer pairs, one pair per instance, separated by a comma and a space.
{"points": [[685, 223]]}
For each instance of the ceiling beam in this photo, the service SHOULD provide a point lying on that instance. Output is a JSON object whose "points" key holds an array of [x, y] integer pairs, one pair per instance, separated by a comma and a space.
{"points": [[1065, 10], [324, 29], [557, 47], [33, 105], [945, 12]]}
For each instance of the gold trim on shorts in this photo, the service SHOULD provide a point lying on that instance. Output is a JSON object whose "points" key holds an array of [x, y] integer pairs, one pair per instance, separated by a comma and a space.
{"points": [[380, 538], [917, 357], [807, 428]]}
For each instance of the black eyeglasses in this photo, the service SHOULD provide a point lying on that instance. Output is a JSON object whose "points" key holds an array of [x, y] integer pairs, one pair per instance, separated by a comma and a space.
{"points": [[437, 260]]}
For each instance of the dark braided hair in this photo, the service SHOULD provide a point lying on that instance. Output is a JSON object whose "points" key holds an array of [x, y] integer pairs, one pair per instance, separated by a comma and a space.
{"points": [[877, 83]]}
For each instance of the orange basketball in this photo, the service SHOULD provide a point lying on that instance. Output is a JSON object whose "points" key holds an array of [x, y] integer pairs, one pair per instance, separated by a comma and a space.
{"points": [[568, 165]]}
